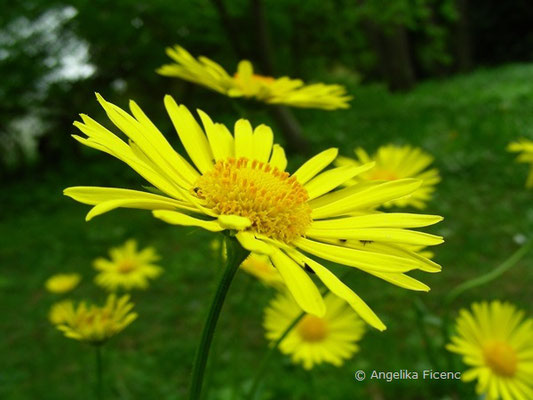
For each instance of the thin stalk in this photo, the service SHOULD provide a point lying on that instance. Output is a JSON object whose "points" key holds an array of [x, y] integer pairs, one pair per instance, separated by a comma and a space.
{"points": [[266, 359], [99, 374], [496, 272], [236, 255]]}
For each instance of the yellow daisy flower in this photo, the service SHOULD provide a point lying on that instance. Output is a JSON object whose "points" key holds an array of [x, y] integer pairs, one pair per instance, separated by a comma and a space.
{"points": [[314, 340], [59, 312], [94, 324], [62, 283], [496, 341], [260, 267], [127, 268], [244, 83], [238, 184], [525, 147], [397, 162]]}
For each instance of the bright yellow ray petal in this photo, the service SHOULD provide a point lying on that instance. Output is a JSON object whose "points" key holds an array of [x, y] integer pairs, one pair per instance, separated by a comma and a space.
{"points": [[263, 139], [314, 165], [177, 218], [220, 141], [243, 139], [278, 159], [191, 135], [355, 258], [340, 289], [299, 284]]}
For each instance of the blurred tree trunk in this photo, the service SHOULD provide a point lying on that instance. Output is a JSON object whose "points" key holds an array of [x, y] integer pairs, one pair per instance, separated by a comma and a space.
{"points": [[283, 116], [391, 45], [230, 28], [461, 38]]}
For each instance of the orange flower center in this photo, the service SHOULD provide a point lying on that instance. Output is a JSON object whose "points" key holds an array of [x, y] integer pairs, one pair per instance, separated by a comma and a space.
{"points": [[126, 266], [383, 175], [500, 357], [312, 329], [258, 78], [274, 201]]}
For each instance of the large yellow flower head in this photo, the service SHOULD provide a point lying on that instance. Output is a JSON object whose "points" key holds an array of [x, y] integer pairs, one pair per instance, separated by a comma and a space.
{"points": [[62, 283], [314, 340], [244, 83], [525, 148], [95, 324], [397, 162], [497, 342], [127, 267], [238, 183]]}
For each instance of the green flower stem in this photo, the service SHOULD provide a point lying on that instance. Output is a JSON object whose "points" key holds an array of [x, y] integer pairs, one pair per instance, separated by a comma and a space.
{"points": [[236, 255], [99, 367], [266, 359], [496, 272]]}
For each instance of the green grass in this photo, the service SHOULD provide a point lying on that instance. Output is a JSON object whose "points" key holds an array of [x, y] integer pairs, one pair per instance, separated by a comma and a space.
{"points": [[466, 122]]}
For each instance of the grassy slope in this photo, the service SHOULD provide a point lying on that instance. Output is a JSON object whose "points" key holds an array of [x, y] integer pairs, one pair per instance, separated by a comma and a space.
{"points": [[466, 122]]}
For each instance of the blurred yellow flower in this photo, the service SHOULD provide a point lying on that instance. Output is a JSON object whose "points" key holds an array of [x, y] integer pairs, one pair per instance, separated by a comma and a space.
{"points": [[62, 283], [314, 340], [397, 162], [245, 83], [497, 342], [59, 312], [94, 324], [260, 267], [525, 147], [128, 268], [238, 183]]}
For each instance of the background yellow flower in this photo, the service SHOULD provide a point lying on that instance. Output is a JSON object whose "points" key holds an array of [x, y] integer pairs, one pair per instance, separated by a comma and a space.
{"points": [[496, 341], [245, 83], [314, 340], [62, 283], [397, 162], [96, 324], [525, 148], [127, 268]]}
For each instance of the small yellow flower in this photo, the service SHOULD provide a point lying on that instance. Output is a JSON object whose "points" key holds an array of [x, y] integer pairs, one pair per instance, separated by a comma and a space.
{"points": [[94, 324], [497, 342], [260, 267], [525, 147], [314, 340], [397, 162], [59, 312], [238, 183], [245, 83], [62, 283], [127, 268]]}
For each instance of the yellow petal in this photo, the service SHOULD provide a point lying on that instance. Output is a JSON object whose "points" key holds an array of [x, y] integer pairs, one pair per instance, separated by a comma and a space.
{"points": [[278, 159], [191, 135], [379, 220], [385, 235], [362, 196], [329, 180], [243, 139], [177, 218], [262, 143], [234, 222], [249, 242], [220, 140], [315, 164], [402, 280], [339, 289], [355, 258], [302, 288]]}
